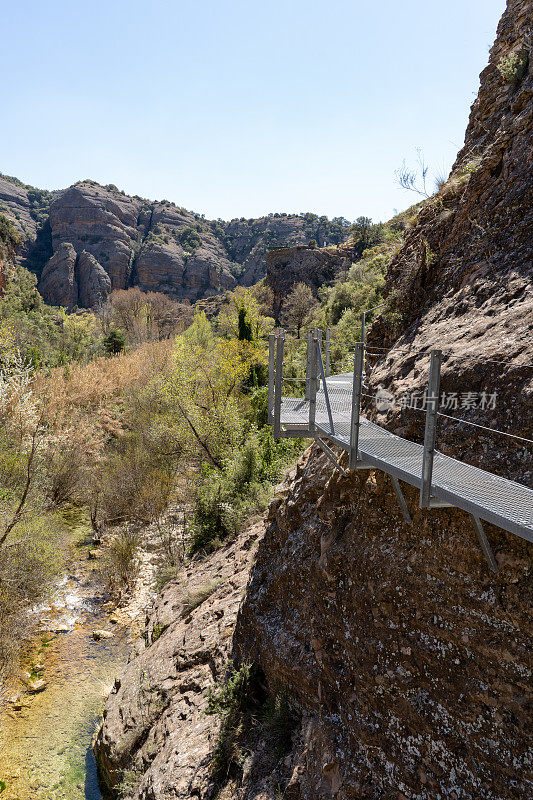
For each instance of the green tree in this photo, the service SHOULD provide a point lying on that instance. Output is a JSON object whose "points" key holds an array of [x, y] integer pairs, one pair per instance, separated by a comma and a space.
{"points": [[115, 342], [246, 333]]}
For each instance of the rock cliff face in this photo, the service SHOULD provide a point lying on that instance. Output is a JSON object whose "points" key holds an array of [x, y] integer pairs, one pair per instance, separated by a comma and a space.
{"points": [[69, 279], [155, 727], [314, 266], [405, 659], [154, 245], [463, 279]]}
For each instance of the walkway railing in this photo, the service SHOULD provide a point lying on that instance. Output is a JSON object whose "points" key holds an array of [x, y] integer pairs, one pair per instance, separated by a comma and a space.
{"points": [[329, 409]]}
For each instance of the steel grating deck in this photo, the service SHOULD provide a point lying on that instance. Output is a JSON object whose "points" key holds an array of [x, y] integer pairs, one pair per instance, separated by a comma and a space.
{"points": [[507, 504]]}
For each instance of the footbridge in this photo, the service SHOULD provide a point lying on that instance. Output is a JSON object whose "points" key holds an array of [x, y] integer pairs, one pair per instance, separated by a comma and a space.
{"points": [[329, 409]]}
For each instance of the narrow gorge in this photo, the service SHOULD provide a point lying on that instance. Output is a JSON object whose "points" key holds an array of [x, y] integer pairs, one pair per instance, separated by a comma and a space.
{"points": [[200, 595], [403, 661]]}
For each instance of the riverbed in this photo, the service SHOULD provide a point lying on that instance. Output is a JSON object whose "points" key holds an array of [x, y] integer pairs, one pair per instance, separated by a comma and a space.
{"points": [[45, 745]]}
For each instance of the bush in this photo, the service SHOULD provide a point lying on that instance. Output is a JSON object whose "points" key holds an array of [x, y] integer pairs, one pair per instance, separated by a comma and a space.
{"points": [[121, 562], [226, 498], [29, 562], [231, 700], [195, 599], [279, 720], [164, 575], [241, 701], [190, 239], [9, 237], [217, 514], [512, 67], [129, 782]]}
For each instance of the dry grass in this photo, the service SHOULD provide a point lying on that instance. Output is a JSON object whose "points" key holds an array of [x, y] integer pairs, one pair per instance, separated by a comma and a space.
{"points": [[92, 386], [195, 599]]}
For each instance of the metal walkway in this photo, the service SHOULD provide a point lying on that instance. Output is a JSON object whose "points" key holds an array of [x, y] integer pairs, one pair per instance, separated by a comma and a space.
{"points": [[331, 413]]}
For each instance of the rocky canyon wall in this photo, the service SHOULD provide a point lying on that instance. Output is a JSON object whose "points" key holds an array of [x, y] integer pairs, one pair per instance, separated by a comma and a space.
{"points": [[157, 246]]}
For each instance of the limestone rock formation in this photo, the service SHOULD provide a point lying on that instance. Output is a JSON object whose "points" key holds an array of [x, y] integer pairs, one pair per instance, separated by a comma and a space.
{"points": [[94, 284], [15, 204], [406, 657], [101, 221], [315, 267], [28, 208], [463, 279], [154, 245], [58, 284]]}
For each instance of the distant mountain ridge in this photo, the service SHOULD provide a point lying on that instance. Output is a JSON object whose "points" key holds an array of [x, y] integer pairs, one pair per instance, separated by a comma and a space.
{"points": [[88, 239]]}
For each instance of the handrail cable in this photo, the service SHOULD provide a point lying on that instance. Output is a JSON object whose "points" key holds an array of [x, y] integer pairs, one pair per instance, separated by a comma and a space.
{"points": [[444, 352], [485, 427], [458, 419]]}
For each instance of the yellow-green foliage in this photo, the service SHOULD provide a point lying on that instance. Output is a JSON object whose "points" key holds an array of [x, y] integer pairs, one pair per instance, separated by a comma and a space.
{"points": [[43, 335], [227, 321], [513, 66]]}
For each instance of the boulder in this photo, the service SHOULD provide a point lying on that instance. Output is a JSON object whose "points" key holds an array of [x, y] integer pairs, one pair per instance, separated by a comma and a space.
{"points": [[102, 634], [36, 686], [62, 628]]}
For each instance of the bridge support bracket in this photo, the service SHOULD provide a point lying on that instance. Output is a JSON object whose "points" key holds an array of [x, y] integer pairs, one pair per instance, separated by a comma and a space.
{"points": [[401, 499], [330, 454], [484, 542], [435, 503]]}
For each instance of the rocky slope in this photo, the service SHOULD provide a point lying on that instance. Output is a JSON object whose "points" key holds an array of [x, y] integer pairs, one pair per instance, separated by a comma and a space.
{"points": [[154, 245], [406, 661], [155, 728]]}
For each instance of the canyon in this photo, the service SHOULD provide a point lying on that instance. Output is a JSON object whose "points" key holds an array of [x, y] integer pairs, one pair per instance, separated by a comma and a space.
{"points": [[404, 660], [86, 240]]}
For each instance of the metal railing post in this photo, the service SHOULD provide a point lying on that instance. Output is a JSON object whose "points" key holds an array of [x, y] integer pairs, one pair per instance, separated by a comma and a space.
{"points": [[308, 363], [356, 403], [271, 375], [328, 332], [363, 327], [313, 370], [318, 334], [326, 392], [278, 385], [432, 407]]}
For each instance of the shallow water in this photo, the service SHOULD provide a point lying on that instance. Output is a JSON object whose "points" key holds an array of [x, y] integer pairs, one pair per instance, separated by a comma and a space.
{"points": [[45, 748]]}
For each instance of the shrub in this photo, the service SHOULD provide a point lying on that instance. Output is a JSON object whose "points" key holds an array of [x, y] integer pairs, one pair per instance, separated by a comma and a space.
{"points": [[512, 67], [242, 703], [130, 780], [216, 514], [279, 720], [121, 562], [8, 235], [190, 239], [231, 700], [164, 575], [29, 561], [225, 498]]}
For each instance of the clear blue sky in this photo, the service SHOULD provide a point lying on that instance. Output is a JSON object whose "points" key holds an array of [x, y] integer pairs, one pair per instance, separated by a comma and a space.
{"points": [[236, 108]]}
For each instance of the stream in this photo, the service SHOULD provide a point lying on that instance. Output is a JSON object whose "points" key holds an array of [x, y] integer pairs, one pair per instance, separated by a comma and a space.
{"points": [[45, 745]]}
